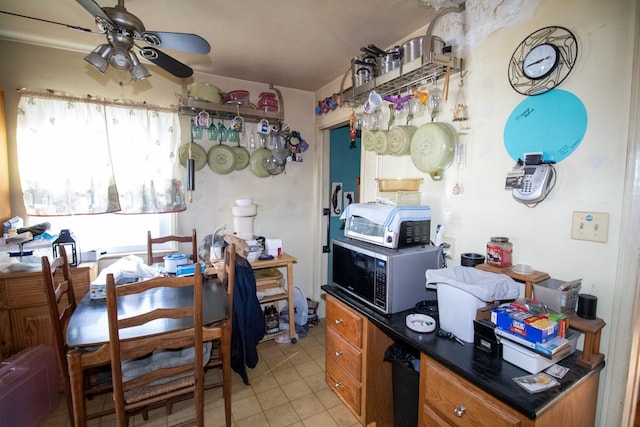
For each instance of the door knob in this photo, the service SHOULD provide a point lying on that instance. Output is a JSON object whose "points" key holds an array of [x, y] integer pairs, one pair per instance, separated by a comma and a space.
{"points": [[459, 411]]}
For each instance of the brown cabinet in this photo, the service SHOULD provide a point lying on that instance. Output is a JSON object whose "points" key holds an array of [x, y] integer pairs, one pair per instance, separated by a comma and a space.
{"points": [[448, 400], [24, 316], [355, 368]]}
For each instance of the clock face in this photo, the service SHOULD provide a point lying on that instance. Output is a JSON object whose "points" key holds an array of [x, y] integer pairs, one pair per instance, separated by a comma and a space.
{"points": [[543, 60], [540, 61]]}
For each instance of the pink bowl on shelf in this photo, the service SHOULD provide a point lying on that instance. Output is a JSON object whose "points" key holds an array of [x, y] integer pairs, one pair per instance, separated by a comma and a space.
{"points": [[237, 96]]}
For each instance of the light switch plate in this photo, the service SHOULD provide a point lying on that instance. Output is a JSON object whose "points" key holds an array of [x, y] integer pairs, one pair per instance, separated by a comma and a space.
{"points": [[590, 226]]}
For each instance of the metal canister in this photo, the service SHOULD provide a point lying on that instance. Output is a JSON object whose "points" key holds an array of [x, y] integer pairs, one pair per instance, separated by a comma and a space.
{"points": [[499, 252]]}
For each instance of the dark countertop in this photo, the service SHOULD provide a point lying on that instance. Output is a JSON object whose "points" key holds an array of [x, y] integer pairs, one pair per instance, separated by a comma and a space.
{"points": [[494, 376]]}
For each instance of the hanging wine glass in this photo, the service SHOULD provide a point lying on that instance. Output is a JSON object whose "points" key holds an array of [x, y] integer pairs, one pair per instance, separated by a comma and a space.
{"points": [[222, 132], [213, 132], [196, 131]]}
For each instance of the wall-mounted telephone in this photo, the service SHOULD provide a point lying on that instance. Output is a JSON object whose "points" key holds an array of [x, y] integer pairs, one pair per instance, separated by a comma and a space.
{"points": [[536, 184]]}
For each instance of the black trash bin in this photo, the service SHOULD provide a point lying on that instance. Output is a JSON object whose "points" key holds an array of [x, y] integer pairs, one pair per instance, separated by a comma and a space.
{"points": [[405, 378]]}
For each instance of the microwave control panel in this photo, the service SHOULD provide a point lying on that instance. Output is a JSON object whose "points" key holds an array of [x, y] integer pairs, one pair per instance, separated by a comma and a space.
{"points": [[380, 296]]}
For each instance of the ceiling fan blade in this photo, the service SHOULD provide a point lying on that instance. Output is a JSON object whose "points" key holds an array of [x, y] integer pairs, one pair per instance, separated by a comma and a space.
{"points": [[93, 8], [163, 60], [177, 41]]}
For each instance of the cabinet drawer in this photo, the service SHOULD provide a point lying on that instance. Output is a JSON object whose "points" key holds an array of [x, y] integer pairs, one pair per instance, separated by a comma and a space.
{"points": [[431, 419], [344, 354], [345, 321], [344, 385], [461, 403]]}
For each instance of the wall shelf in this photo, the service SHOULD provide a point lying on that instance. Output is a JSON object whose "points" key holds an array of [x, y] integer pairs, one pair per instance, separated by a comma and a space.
{"points": [[192, 106], [402, 79]]}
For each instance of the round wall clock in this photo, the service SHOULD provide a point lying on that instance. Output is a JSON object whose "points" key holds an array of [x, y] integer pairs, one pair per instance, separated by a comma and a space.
{"points": [[543, 60]]}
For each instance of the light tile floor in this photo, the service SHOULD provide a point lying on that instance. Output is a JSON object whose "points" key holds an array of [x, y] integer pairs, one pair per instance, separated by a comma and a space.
{"points": [[287, 388]]}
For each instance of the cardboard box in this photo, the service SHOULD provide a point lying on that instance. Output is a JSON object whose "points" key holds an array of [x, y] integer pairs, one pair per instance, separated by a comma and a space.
{"points": [[536, 328], [484, 313]]}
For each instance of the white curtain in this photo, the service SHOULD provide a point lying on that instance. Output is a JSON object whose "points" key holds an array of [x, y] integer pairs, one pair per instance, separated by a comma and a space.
{"points": [[84, 156]]}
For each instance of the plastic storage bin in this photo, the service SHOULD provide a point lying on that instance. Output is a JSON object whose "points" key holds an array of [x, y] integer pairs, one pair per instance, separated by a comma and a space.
{"points": [[28, 387], [562, 301], [529, 360]]}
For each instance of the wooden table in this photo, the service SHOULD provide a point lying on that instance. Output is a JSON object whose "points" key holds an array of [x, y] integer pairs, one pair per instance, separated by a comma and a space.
{"points": [[88, 331], [528, 279]]}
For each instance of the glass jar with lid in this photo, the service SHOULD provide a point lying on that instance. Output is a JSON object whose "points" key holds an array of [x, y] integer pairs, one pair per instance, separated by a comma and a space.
{"points": [[499, 252]]}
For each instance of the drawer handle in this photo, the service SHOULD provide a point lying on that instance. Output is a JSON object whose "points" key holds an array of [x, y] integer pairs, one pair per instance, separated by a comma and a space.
{"points": [[459, 411], [338, 353], [338, 321], [338, 383]]}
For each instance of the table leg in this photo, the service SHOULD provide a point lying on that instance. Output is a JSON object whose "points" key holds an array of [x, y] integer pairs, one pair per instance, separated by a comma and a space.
{"points": [[290, 290], [74, 361]]}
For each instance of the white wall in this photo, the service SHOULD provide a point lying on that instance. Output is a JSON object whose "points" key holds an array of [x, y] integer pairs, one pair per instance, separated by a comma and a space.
{"points": [[591, 179]]}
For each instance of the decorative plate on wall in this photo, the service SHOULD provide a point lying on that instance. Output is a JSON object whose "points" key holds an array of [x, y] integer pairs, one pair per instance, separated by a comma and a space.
{"points": [[553, 123]]}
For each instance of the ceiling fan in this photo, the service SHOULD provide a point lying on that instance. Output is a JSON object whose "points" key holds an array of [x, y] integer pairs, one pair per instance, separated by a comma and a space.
{"points": [[123, 30]]}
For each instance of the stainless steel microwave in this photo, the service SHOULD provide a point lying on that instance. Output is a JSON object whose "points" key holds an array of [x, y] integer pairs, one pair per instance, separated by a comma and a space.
{"points": [[388, 280]]}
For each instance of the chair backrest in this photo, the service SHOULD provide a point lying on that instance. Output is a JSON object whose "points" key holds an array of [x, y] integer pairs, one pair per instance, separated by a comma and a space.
{"points": [[61, 302], [157, 381], [151, 258], [230, 274]]}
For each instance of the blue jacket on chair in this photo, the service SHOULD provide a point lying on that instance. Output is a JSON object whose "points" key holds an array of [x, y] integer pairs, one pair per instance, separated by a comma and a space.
{"points": [[248, 325]]}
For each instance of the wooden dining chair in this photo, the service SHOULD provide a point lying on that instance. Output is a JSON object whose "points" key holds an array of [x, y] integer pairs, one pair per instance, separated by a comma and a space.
{"points": [[151, 241], [221, 350], [152, 370], [61, 302]]}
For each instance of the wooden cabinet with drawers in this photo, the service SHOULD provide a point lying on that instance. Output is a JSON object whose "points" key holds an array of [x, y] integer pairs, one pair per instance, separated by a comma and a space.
{"points": [[355, 367], [448, 400], [24, 316]]}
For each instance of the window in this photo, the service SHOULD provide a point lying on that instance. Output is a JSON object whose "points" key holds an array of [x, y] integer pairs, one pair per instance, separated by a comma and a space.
{"points": [[117, 234], [105, 170]]}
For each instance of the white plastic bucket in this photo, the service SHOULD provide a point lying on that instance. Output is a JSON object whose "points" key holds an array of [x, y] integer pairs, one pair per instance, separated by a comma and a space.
{"points": [[457, 311], [171, 262]]}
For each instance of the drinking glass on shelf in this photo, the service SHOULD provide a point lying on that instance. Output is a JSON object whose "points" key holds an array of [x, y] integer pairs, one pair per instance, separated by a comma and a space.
{"points": [[213, 132], [222, 132]]}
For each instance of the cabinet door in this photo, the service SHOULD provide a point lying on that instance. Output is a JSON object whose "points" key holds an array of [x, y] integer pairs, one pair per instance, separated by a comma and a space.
{"points": [[6, 336], [31, 326]]}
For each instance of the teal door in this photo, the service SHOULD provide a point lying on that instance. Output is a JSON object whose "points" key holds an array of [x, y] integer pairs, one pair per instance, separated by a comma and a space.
{"points": [[344, 175]]}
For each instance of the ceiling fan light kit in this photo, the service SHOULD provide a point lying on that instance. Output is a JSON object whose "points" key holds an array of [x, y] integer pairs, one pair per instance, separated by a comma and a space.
{"points": [[122, 30]]}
